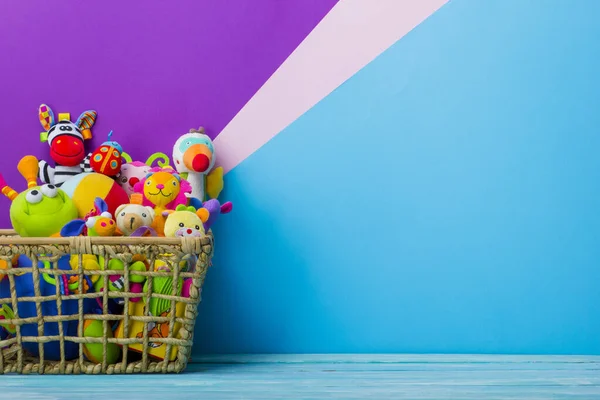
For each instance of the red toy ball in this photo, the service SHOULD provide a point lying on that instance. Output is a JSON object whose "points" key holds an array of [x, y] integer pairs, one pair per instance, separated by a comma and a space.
{"points": [[106, 160]]}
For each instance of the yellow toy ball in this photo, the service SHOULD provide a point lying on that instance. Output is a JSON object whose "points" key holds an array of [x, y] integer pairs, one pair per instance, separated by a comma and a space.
{"points": [[93, 351]]}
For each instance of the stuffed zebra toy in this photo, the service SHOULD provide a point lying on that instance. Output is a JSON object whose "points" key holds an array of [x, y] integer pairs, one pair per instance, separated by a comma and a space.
{"points": [[66, 141]]}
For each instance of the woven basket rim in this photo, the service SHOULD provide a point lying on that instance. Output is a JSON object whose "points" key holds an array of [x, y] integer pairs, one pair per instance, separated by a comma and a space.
{"points": [[9, 236]]}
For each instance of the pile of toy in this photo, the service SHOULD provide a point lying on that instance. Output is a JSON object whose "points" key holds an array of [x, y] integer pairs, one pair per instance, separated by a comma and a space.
{"points": [[106, 193]]}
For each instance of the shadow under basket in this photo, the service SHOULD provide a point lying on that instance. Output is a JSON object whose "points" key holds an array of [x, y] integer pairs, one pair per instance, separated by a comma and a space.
{"points": [[99, 305]]}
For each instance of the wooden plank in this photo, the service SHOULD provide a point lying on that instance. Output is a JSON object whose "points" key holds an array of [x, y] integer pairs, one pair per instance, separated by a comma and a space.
{"points": [[391, 358], [329, 377]]}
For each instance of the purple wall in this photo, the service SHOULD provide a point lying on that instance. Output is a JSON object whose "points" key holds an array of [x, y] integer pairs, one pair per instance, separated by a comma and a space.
{"points": [[152, 69]]}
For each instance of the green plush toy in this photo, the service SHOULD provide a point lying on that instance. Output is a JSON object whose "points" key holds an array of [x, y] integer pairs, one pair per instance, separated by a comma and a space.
{"points": [[40, 211]]}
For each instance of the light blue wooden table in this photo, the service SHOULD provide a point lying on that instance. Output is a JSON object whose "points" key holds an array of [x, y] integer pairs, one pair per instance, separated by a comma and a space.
{"points": [[334, 377]]}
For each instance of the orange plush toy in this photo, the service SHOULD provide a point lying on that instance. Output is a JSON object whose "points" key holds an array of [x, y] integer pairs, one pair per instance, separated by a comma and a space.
{"points": [[163, 189], [97, 223]]}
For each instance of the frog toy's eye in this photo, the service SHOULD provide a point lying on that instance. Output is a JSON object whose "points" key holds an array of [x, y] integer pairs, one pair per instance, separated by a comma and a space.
{"points": [[34, 197], [181, 224], [197, 227], [106, 214], [49, 191]]}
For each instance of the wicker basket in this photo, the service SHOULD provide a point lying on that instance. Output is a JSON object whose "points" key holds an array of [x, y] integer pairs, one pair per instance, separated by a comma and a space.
{"points": [[16, 355]]}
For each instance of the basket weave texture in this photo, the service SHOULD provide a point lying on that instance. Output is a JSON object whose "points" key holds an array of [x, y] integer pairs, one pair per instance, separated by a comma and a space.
{"points": [[15, 359]]}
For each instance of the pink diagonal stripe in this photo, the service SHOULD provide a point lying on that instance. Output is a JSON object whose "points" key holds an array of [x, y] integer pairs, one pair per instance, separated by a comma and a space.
{"points": [[350, 36]]}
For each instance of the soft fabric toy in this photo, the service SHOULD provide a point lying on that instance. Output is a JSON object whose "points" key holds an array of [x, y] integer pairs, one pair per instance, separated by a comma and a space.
{"points": [[163, 188], [131, 217], [47, 286], [6, 312], [28, 167], [24, 286], [106, 159], [89, 262], [97, 223], [65, 139], [194, 155], [4, 266], [180, 222], [38, 211], [101, 223], [134, 171], [131, 174], [185, 221], [133, 220], [94, 351], [84, 188], [116, 283], [215, 209], [162, 160]]}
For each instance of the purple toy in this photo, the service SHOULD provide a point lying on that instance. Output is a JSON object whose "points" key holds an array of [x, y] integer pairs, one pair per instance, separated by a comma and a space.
{"points": [[215, 209], [144, 231]]}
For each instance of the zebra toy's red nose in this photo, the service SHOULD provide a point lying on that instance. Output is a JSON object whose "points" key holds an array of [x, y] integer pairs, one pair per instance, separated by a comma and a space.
{"points": [[67, 150]]}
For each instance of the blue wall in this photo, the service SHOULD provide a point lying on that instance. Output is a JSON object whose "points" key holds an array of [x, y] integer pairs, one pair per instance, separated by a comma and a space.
{"points": [[442, 200]]}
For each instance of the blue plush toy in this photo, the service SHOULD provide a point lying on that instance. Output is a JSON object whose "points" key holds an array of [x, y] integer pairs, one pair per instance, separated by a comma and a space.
{"points": [[26, 309]]}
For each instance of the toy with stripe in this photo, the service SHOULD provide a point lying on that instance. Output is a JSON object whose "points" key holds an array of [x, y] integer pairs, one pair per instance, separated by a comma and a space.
{"points": [[39, 211], [66, 141], [28, 167]]}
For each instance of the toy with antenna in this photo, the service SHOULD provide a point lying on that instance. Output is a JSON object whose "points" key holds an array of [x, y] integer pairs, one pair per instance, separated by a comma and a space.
{"points": [[106, 159], [39, 211]]}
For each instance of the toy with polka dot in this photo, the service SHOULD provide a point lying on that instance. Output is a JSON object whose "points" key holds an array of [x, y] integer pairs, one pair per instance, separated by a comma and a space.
{"points": [[104, 192]]}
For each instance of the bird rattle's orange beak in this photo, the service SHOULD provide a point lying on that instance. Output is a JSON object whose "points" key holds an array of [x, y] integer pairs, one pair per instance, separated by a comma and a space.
{"points": [[197, 158]]}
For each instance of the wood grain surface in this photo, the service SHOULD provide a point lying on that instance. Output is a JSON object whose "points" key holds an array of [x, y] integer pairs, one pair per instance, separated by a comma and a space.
{"points": [[417, 377]]}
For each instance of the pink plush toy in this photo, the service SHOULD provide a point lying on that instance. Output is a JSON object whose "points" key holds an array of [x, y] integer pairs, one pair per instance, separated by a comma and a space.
{"points": [[163, 188], [131, 174], [134, 171]]}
